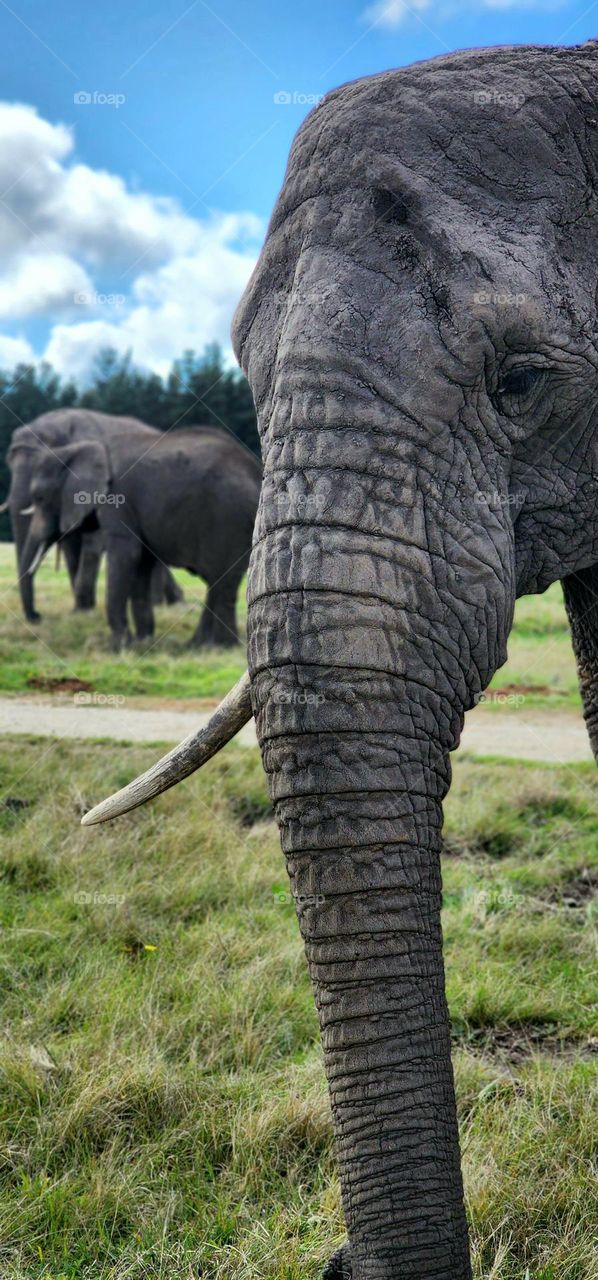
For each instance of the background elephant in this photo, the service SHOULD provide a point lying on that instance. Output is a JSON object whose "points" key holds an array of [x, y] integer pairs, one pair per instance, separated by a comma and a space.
{"points": [[187, 499], [82, 547], [420, 338]]}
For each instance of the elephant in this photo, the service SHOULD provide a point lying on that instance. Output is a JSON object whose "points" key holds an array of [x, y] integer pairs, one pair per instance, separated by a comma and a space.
{"points": [[82, 547], [184, 497], [420, 338]]}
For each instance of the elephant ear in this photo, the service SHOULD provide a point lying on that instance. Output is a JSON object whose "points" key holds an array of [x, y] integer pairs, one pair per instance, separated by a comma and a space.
{"points": [[581, 602], [86, 481]]}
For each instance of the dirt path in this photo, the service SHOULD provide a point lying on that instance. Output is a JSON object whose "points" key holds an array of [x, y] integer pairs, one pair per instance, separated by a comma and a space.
{"points": [[558, 737]]}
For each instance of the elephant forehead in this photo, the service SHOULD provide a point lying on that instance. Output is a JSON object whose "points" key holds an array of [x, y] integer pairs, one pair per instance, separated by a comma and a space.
{"points": [[494, 119]]}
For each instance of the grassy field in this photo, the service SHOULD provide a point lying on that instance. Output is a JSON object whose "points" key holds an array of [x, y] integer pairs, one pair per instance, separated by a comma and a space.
{"points": [[68, 646], [163, 1112]]}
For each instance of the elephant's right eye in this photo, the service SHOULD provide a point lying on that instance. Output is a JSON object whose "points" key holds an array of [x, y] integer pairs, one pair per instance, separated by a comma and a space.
{"points": [[518, 382], [519, 389]]}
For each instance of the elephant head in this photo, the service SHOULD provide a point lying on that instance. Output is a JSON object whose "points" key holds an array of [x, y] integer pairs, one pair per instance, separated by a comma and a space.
{"points": [[66, 485], [49, 432], [420, 338]]}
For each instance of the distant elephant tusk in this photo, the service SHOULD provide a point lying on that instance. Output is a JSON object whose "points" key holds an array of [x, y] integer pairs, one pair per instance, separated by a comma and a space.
{"points": [[234, 711], [27, 511], [4, 507], [39, 555]]}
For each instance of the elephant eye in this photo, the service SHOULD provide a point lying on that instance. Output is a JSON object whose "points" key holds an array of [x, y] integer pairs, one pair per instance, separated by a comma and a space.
{"points": [[519, 381], [518, 389]]}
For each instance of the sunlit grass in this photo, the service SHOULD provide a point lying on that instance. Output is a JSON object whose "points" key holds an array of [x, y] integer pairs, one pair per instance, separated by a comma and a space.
{"points": [[68, 645], [163, 1110]]}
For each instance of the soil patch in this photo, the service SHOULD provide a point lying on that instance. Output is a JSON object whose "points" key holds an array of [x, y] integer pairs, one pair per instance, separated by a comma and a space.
{"points": [[506, 690], [14, 804], [572, 893], [514, 1042], [497, 844], [59, 684]]}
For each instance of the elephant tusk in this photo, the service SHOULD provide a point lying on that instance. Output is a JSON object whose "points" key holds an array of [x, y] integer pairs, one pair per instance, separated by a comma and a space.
{"points": [[4, 507], [27, 511], [234, 711], [39, 555]]}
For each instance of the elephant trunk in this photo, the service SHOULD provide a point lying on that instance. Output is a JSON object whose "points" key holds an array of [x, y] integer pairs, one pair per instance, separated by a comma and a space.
{"points": [[581, 601], [359, 813], [355, 722], [20, 529], [18, 501]]}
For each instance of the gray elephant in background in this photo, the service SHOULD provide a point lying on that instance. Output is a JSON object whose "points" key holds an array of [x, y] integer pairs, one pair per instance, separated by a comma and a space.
{"points": [[186, 497], [420, 337], [82, 546]]}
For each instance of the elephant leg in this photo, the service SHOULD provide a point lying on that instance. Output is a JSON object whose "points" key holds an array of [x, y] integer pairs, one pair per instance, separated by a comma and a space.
{"points": [[20, 526], [165, 588], [157, 585], [87, 572], [217, 627], [123, 562], [173, 593], [141, 597]]}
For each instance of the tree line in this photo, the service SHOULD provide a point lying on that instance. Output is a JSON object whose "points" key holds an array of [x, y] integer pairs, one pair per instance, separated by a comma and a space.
{"points": [[199, 391]]}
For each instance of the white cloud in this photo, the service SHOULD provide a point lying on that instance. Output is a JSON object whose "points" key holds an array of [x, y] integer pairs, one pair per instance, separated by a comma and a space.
{"points": [[14, 351], [188, 302], [73, 347], [48, 202], [390, 13], [111, 266], [41, 282]]}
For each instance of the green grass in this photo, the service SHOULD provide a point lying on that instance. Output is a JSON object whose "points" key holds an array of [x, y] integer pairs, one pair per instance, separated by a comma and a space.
{"points": [[68, 645], [540, 653], [163, 1112]]}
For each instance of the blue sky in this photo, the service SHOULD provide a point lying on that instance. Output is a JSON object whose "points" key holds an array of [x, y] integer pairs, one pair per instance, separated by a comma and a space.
{"points": [[135, 217]]}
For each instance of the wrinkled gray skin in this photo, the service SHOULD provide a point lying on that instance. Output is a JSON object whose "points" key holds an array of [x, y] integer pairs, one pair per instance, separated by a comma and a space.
{"points": [[186, 497], [420, 338], [82, 547]]}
